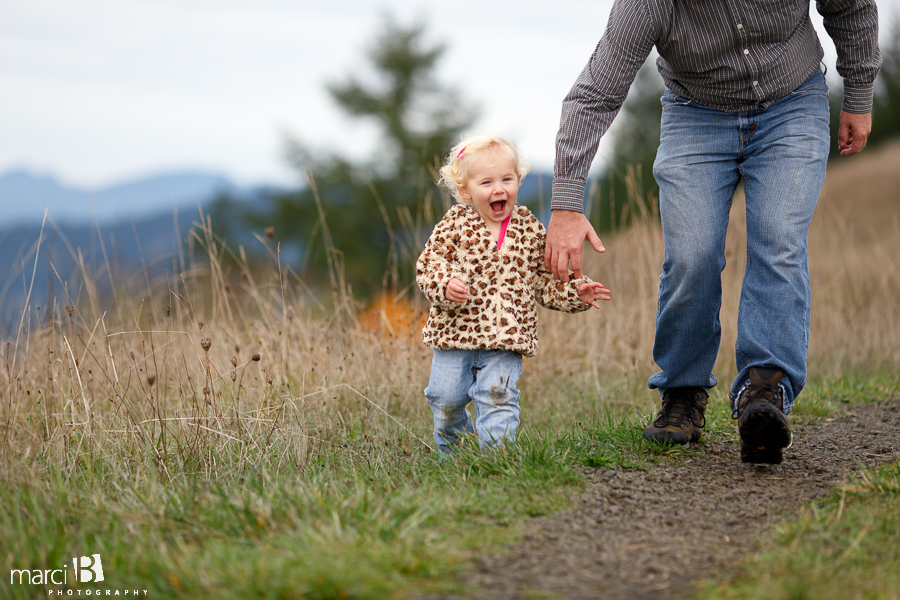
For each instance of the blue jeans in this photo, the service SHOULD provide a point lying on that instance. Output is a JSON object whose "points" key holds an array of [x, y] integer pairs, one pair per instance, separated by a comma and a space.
{"points": [[488, 379], [780, 154]]}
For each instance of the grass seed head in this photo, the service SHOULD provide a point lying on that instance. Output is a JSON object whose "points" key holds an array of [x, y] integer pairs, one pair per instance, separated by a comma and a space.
{"points": [[206, 344], [151, 379], [255, 357]]}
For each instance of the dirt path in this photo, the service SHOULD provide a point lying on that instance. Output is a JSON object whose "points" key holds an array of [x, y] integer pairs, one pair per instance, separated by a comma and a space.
{"points": [[651, 534]]}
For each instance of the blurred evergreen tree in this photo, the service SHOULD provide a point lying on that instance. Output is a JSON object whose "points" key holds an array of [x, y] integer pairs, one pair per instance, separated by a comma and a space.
{"points": [[361, 213], [886, 111]]}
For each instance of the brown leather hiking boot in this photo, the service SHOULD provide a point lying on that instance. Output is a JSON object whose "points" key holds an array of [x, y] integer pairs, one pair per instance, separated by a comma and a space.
{"points": [[682, 416], [761, 421]]}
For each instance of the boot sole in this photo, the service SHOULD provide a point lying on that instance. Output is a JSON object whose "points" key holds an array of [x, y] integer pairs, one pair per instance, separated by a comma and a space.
{"points": [[761, 456], [664, 436], [764, 432]]}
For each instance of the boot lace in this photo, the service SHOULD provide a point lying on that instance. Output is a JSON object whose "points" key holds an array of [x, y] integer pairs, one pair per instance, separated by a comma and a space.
{"points": [[771, 393], [678, 405]]}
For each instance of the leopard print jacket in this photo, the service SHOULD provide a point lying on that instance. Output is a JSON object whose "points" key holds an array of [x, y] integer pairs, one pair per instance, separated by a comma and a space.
{"points": [[503, 284]]}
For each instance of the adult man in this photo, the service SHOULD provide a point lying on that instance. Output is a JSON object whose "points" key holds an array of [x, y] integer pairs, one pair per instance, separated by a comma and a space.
{"points": [[745, 101]]}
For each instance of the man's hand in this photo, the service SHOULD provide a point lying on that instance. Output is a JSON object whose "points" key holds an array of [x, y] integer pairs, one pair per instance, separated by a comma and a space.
{"points": [[456, 291], [853, 132], [565, 235]]}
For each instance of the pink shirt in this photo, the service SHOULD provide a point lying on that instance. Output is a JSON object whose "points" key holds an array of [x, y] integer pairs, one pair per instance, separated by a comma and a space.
{"points": [[503, 230]]}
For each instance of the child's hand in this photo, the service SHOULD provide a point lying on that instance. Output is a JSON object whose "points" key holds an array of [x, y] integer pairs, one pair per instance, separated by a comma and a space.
{"points": [[457, 291], [591, 292]]}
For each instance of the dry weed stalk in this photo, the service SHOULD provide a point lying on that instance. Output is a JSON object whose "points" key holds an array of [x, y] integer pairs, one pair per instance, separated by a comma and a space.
{"points": [[320, 371]]}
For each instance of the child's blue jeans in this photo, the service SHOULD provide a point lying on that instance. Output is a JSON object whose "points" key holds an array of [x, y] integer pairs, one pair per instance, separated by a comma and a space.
{"points": [[488, 379]]}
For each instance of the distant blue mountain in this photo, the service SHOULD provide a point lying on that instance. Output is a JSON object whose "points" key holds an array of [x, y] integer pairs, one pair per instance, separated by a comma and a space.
{"points": [[139, 232], [25, 195]]}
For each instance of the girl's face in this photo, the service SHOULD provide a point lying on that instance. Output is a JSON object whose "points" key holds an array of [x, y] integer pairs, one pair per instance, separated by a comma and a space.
{"points": [[492, 186]]}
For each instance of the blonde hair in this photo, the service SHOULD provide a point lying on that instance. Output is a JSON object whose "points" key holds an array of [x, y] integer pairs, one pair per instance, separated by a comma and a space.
{"points": [[455, 169]]}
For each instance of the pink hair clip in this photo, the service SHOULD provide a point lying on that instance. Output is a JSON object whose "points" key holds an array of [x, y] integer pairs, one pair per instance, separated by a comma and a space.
{"points": [[460, 153]]}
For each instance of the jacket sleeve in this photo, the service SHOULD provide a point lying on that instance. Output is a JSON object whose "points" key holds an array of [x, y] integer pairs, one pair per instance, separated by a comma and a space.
{"points": [[440, 261], [552, 293]]}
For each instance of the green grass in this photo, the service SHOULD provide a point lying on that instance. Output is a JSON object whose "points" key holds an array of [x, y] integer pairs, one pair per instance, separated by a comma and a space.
{"points": [[823, 398], [376, 515], [360, 522], [371, 517], [843, 548]]}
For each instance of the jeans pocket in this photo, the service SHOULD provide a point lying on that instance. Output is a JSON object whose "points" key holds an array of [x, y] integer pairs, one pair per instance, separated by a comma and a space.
{"points": [[814, 85], [671, 100]]}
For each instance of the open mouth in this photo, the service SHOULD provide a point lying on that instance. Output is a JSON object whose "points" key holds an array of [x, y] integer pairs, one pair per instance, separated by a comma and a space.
{"points": [[498, 206]]}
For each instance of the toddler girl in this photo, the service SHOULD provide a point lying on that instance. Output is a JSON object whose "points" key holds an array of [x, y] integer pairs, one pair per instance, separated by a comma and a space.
{"points": [[482, 270]]}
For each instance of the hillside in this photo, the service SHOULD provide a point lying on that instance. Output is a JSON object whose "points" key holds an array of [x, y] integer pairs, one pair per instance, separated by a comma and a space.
{"points": [[864, 191], [24, 196]]}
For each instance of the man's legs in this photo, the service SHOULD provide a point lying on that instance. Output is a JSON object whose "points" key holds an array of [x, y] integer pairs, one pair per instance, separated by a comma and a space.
{"points": [[783, 171], [780, 153], [783, 174], [697, 171]]}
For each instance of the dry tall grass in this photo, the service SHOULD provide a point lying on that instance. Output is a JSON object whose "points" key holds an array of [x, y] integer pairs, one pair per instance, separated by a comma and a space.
{"points": [[854, 254], [212, 373]]}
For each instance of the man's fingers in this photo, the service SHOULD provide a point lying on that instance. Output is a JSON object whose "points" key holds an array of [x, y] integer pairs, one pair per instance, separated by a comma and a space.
{"points": [[561, 267], [575, 257], [853, 132], [843, 134], [551, 263], [594, 239]]}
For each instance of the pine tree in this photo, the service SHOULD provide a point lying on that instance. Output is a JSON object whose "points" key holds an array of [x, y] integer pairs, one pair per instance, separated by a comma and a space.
{"points": [[369, 206]]}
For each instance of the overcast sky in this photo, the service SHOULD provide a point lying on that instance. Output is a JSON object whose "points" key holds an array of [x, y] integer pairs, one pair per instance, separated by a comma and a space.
{"points": [[97, 91]]}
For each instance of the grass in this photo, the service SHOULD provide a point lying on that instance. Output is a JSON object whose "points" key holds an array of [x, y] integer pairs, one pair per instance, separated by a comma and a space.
{"points": [[359, 522], [843, 548], [227, 431]]}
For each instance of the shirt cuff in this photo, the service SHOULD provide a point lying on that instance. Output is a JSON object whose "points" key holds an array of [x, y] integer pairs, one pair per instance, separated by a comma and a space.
{"points": [[858, 98], [567, 194]]}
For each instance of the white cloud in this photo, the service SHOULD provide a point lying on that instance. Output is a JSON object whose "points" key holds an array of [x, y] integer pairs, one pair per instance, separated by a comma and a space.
{"points": [[98, 89]]}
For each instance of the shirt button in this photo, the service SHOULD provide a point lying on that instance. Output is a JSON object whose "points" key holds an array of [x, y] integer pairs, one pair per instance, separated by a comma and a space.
{"points": [[755, 83], [746, 51], [739, 26]]}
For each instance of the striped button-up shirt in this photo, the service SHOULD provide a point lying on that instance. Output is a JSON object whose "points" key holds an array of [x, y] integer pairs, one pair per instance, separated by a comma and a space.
{"points": [[731, 55]]}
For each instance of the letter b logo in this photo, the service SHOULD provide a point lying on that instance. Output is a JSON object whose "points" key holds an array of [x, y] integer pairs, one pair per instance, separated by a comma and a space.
{"points": [[89, 570]]}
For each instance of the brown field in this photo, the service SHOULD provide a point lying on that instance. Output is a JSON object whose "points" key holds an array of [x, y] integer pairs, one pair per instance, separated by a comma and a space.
{"points": [[255, 364]]}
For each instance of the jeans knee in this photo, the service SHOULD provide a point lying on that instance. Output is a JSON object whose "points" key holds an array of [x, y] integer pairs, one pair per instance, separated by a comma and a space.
{"points": [[694, 265]]}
